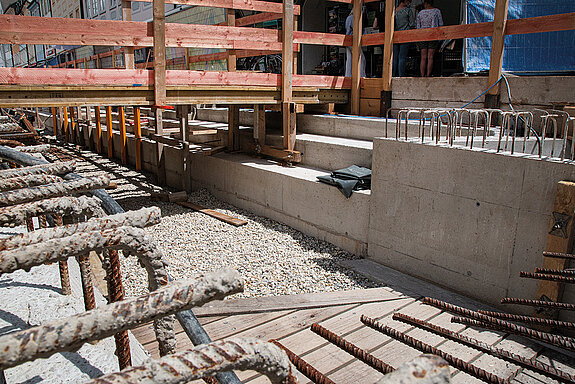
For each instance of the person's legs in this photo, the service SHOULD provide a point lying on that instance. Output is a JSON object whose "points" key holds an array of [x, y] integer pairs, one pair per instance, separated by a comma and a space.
{"points": [[423, 62], [430, 54], [396, 54], [403, 49], [348, 55]]}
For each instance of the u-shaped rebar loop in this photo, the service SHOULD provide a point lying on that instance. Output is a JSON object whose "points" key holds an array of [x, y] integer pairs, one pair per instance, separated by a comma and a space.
{"points": [[409, 113], [398, 123], [387, 115], [133, 240], [63, 206], [60, 168], [70, 333], [208, 359], [527, 118]]}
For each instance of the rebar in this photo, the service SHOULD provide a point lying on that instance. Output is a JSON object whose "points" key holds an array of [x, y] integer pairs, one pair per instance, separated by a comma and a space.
{"points": [[564, 272], [352, 349], [424, 369], [426, 348], [70, 333], [42, 148], [63, 265], [206, 360], [539, 303], [499, 325], [86, 277], [13, 143], [529, 319], [27, 195], [60, 168], [141, 218], [498, 352], [559, 255], [27, 182], [305, 368], [544, 276], [65, 205]]}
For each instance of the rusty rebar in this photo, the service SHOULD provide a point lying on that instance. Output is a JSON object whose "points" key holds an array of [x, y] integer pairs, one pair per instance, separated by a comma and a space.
{"points": [[30, 224], [133, 240], [27, 182], [86, 277], [65, 205], [69, 334], [352, 349], [208, 359], [500, 325], [544, 276], [529, 319], [63, 265], [305, 368], [559, 255], [42, 148], [532, 364], [539, 303], [426, 348], [27, 195], [60, 168], [141, 218], [13, 143], [565, 272]]}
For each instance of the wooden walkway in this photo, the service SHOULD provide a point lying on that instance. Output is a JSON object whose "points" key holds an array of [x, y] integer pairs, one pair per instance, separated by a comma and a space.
{"points": [[288, 319]]}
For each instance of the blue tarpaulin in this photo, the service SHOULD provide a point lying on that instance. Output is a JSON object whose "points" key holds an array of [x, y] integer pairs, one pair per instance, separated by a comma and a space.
{"points": [[548, 52]]}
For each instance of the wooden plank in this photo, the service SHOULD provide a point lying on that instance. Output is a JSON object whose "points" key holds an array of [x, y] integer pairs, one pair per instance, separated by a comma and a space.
{"points": [[233, 128], [564, 204], [138, 138], [252, 5], [98, 130], [159, 26], [231, 54], [257, 18], [319, 38], [369, 107], [128, 51], [356, 56], [123, 138], [109, 132], [497, 45], [301, 301], [215, 214], [288, 116], [388, 45]]}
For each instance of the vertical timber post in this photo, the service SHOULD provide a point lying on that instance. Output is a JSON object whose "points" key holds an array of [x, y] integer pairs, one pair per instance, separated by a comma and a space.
{"points": [[492, 98], [288, 109], [109, 132], [386, 92], [98, 130], [356, 56], [182, 112], [128, 51], [123, 138], [260, 124], [66, 131], [138, 138], [159, 24], [54, 121], [233, 110]]}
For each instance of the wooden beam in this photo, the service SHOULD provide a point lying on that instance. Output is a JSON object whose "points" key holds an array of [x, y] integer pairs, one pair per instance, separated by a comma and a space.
{"points": [[98, 130], [215, 214], [388, 44], [288, 114], [497, 45], [233, 128], [138, 138], [123, 138], [159, 24], [260, 124], [55, 121], [231, 53], [560, 240], [128, 51], [356, 56], [253, 5], [109, 132]]}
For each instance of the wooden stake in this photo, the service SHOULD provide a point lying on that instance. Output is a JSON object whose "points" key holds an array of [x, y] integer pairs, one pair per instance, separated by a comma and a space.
{"points": [[356, 56], [159, 24], [109, 132], [498, 43], [123, 139], [138, 138], [66, 132], [98, 130], [288, 113], [260, 124], [72, 125], [559, 240], [54, 121]]}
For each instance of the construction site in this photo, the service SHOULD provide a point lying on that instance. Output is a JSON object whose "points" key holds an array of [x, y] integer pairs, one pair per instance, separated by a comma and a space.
{"points": [[193, 191]]}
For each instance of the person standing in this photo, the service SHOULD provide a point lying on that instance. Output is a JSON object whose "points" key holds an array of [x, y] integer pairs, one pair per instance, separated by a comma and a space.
{"points": [[348, 50], [428, 17], [404, 20]]}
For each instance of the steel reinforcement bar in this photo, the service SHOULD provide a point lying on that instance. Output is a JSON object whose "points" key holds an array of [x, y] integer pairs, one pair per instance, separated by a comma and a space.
{"points": [[532, 364], [140, 219], [426, 348], [41, 192], [539, 303], [41, 148], [70, 333], [301, 365], [61, 168], [62, 206], [529, 319], [564, 272], [545, 276], [208, 359], [27, 182]]}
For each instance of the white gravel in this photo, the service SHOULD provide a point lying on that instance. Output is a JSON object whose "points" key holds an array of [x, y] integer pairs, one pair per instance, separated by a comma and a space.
{"points": [[273, 258]]}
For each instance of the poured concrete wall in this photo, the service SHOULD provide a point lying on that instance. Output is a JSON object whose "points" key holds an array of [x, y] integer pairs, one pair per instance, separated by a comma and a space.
{"points": [[469, 220]]}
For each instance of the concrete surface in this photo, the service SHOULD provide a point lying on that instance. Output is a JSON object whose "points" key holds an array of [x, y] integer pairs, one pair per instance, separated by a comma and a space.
{"points": [[470, 220]]}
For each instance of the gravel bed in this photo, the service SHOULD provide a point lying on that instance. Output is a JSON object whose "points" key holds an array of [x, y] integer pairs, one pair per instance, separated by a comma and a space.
{"points": [[273, 258]]}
